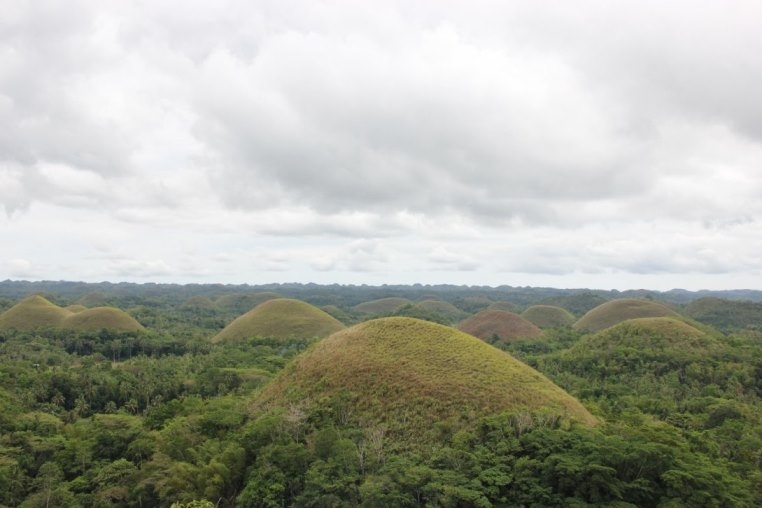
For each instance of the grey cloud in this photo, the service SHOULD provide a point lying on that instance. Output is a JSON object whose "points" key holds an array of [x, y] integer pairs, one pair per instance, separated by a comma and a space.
{"points": [[48, 107], [345, 125], [356, 256]]}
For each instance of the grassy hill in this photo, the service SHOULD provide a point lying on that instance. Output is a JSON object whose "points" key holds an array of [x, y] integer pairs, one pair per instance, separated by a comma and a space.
{"points": [[95, 299], [726, 315], [99, 318], [408, 374], [660, 355], [659, 333], [499, 326], [616, 311], [578, 303], [381, 306], [198, 302], [283, 319], [75, 308], [502, 305], [32, 313], [548, 316], [446, 309]]}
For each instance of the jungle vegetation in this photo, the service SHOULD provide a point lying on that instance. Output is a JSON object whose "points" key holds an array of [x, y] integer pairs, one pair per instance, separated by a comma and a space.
{"points": [[161, 415]]}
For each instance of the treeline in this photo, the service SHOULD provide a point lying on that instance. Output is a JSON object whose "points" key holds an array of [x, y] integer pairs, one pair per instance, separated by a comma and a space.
{"points": [[164, 416]]}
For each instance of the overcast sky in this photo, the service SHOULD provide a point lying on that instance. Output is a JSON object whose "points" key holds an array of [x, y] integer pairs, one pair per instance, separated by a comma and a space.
{"points": [[604, 144]]}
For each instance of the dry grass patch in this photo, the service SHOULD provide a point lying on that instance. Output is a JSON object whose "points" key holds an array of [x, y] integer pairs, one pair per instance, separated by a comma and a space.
{"points": [[408, 374]]}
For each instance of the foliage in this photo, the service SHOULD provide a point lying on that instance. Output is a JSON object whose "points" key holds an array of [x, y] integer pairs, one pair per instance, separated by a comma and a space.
{"points": [[164, 417]]}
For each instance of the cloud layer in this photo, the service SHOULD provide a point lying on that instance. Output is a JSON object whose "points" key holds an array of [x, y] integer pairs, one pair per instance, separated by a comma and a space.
{"points": [[582, 143]]}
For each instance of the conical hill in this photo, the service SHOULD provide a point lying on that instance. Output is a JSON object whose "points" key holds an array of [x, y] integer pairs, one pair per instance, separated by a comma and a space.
{"points": [[381, 306], [616, 311], [661, 354], [657, 333], [407, 374], [243, 302], [32, 313], [548, 316], [100, 318], [499, 326], [442, 308], [282, 319]]}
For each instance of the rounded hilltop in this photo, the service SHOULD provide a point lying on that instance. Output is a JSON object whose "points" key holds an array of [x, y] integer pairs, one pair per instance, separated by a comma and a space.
{"points": [[615, 311], [32, 313], [499, 326], [36, 312], [548, 316], [442, 308], [243, 302], [102, 318], [408, 374], [659, 354], [280, 319], [660, 333], [381, 306]]}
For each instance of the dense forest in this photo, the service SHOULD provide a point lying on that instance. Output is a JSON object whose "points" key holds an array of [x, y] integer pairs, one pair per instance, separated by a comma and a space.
{"points": [[175, 414]]}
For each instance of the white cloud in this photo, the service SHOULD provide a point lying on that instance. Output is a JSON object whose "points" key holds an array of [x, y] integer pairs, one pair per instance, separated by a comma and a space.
{"points": [[485, 142]]}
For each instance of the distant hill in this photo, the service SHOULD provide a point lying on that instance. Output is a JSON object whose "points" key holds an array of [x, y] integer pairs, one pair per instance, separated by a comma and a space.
{"points": [[450, 311], [646, 356], [502, 305], [32, 313], [240, 303], [199, 302], [548, 316], [408, 374], [282, 319], [577, 303], [100, 318], [36, 312], [96, 298], [616, 311], [430, 310], [726, 315], [381, 306], [499, 326], [656, 333]]}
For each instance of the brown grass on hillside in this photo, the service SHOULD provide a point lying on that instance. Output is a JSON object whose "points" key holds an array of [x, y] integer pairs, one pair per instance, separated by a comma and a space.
{"points": [[408, 374], [501, 325]]}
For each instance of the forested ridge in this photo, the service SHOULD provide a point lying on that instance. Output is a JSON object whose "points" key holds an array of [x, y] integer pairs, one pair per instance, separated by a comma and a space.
{"points": [[166, 416]]}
